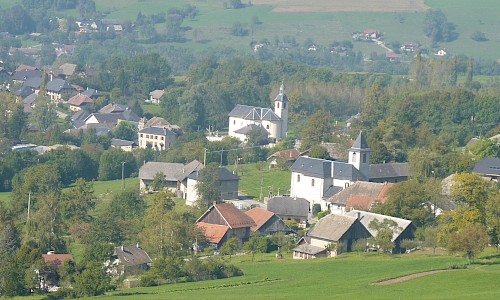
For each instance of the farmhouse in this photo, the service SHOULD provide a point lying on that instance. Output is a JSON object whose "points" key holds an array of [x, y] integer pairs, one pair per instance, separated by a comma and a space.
{"points": [[223, 221], [267, 222], [227, 186], [288, 208], [361, 195], [157, 133], [331, 236], [274, 124], [128, 260], [488, 168]]}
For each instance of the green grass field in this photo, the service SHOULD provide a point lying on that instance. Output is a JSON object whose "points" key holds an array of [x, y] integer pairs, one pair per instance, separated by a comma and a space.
{"points": [[348, 276], [271, 180]]}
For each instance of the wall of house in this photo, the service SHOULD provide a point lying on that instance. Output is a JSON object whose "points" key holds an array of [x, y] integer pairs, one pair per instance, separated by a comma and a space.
{"points": [[191, 195], [272, 226], [229, 189], [273, 127], [156, 141], [299, 219], [304, 188], [242, 234]]}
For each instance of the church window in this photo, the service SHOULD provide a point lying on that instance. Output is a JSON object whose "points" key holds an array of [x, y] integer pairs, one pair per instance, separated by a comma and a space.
{"points": [[312, 182], [298, 178], [277, 105], [354, 157], [267, 126], [234, 122], [364, 157]]}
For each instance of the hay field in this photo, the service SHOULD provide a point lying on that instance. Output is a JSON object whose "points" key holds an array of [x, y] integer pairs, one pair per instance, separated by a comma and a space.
{"points": [[295, 6]]}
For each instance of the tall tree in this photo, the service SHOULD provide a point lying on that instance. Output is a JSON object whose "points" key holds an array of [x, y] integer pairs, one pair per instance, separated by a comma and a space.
{"points": [[207, 186]]}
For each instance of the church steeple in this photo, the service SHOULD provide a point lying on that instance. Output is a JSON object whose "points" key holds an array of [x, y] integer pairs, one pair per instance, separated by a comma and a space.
{"points": [[359, 155], [281, 110]]}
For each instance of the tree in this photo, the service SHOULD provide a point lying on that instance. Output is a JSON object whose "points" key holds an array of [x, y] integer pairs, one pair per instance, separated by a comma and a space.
{"points": [[207, 186], [44, 114], [110, 164], [437, 27], [471, 191], [470, 240], [159, 182], [127, 205], [478, 36], [429, 237], [238, 29], [92, 281], [253, 245], [230, 247], [318, 129], [385, 231], [77, 202], [318, 151], [125, 131]]}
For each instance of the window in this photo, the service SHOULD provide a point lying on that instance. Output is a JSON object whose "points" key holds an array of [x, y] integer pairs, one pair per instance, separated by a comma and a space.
{"points": [[354, 157], [234, 122], [147, 136], [141, 135], [364, 157], [267, 126], [162, 138], [156, 137], [277, 105], [298, 178], [284, 105], [312, 182]]}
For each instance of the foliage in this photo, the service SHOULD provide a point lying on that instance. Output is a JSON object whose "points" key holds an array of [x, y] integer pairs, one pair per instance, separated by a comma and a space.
{"points": [[44, 114], [385, 230], [437, 27], [127, 205], [316, 208], [230, 247], [428, 236], [323, 214], [318, 129], [92, 281], [125, 131], [470, 240], [110, 164], [318, 151], [207, 186], [478, 36], [159, 182]]}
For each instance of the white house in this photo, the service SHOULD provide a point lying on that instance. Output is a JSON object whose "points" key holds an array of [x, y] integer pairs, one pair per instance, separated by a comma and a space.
{"points": [[244, 118], [157, 133]]}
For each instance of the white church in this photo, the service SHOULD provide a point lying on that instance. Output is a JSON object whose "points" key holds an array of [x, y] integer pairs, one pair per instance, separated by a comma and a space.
{"points": [[319, 179], [244, 118]]}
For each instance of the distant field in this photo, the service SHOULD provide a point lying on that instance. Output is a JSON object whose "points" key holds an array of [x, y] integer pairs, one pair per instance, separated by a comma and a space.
{"points": [[345, 277], [285, 6]]}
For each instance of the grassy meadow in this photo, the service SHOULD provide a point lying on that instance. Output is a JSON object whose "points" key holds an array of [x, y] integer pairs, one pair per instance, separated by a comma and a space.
{"points": [[271, 180], [349, 276]]}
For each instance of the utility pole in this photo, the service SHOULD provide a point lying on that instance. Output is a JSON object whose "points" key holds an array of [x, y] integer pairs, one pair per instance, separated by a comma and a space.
{"points": [[205, 157], [123, 178], [221, 153]]}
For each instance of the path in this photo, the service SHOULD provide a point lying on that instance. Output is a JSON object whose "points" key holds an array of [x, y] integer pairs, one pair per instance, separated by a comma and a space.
{"points": [[408, 277]]}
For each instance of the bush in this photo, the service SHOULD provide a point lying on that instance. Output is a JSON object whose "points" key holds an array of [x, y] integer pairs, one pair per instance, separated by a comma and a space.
{"points": [[478, 36], [323, 213], [316, 209]]}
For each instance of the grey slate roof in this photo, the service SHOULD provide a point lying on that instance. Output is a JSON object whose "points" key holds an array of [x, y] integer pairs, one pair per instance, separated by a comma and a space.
{"points": [[389, 170], [253, 113], [24, 75], [113, 108], [281, 95], [92, 93], [309, 249], [342, 170], [248, 128], [332, 227], [288, 206], [24, 91], [131, 255], [367, 217], [80, 115], [360, 142], [172, 171], [332, 190], [314, 167], [34, 82], [164, 130], [58, 85], [488, 166], [121, 143], [30, 99]]}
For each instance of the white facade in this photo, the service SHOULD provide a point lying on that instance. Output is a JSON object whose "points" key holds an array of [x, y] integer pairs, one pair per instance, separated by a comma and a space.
{"points": [[310, 188], [274, 122]]}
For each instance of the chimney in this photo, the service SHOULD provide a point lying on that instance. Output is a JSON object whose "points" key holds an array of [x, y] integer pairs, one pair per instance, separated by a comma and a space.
{"points": [[122, 247], [358, 215]]}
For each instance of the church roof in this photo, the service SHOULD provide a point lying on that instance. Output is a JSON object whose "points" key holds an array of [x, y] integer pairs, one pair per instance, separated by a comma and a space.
{"points": [[360, 142], [281, 95], [253, 113]]}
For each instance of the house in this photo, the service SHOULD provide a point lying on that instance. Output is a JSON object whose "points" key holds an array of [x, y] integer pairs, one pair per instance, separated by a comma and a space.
{"points": [[56, 259], [158, 138], [289, 155], [488, 168], [267, 222], [154, 96], [442, 52], [352, 119], [108, 117], [57, 88], [128, 260], [409, 46], [78, 102], [391, 56], [47, 278], [332, 235], [21, 75], [175, 175], [312, 48], [318, 179], [67, 69], [290, 208], [406, 229], [122, 144], [361, 195], [371, 34], [275, 123], [92, 93], [227, 186], [223, 221]]}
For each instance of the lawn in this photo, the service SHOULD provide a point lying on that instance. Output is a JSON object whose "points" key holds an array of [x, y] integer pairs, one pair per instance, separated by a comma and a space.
{"points": [[256, 183], [345, 277]]}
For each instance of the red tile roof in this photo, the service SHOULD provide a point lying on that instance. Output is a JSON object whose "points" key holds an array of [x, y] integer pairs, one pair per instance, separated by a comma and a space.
{"points": [[79, 99], [234, 217], [212, 232], [382, 195], [359, 202], [291, 154], [56, 258], [260, 216]]}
